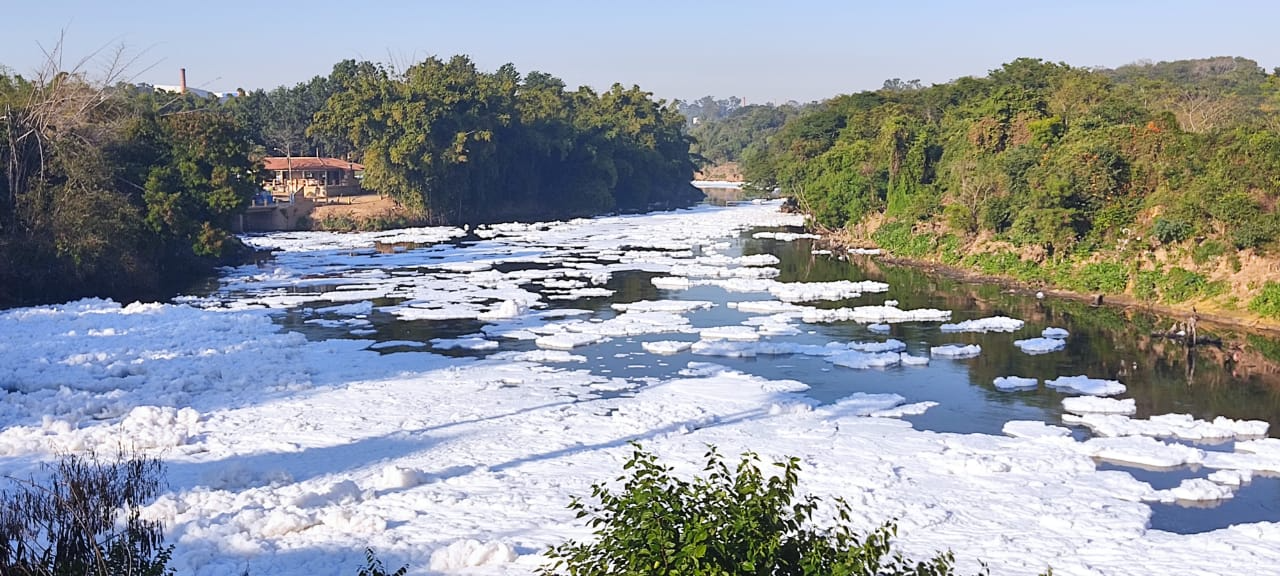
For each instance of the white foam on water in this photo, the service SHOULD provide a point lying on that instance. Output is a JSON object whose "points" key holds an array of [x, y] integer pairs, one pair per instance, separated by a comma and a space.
{"points": [[723, 348], [784, 236], [909, 360], [957, 351], [290, 456], [1011, 383], [863, 404], [1033, 429], [914, 409], [812, 291], [738, 333], [992, 324], [677, 306], [1059, 333], [1086, 385], [1097, 405], [890, 345], [541, 356], [875, 314], [567, 340], [666, 346], [671, 282], [1180, 426], [1231, 477], [1040, 345], [1260, 456], [864, 360], [396, 343], [473, 342], [1143, 451], [1195, 490], [766, 307]]}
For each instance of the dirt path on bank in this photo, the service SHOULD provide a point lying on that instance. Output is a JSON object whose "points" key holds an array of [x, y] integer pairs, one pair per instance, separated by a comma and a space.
{"points": [[359, 207]]}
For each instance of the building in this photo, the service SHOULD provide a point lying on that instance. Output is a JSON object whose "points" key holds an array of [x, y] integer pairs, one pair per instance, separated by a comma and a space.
{"points": [[182, 88], [313, 176], [268, 215]]}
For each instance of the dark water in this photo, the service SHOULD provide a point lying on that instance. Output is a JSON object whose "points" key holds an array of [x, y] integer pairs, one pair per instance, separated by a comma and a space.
{"points": [[1239, 379], [1161, 374]]}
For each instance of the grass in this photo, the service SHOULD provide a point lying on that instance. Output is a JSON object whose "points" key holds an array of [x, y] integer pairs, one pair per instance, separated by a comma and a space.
{"points": [[1267, 302]]}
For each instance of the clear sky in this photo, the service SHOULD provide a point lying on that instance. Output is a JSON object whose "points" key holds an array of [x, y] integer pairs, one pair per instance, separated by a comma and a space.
{"points": [[763, 51]]}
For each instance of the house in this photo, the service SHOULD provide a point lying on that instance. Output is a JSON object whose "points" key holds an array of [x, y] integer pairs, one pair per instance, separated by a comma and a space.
{"points": [[313, 176]]}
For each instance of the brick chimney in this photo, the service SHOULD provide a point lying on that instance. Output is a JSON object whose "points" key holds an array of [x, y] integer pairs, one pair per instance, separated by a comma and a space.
{"points": [[182, 80]]}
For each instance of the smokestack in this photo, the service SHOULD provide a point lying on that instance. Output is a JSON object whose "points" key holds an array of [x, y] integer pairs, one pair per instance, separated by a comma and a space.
{"points": [[182, 80]]}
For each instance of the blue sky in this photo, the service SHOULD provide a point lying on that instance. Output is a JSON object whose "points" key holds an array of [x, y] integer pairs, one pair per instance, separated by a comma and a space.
{"points": [[763, 51]]}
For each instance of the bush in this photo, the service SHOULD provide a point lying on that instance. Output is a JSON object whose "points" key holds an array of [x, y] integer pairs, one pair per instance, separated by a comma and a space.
{"points": [[1267, 302], [995, 214], [337, 223], [1106, 277], [1254, 231], [83, 519], [949, 249], [1207, 251], [373, 566], [1268, 348], [1171, 231], [1145, 286], [1007, 264], [961, 218], [900, 240], [732, 522], [1181, 285]]}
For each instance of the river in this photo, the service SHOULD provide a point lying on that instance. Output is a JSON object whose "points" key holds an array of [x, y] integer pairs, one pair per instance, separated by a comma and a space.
{"points": [[441, 392]]}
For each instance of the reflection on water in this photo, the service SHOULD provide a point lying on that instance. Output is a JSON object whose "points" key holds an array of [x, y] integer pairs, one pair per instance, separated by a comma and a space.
{"points": [[1237, 379], [1258, 501]]}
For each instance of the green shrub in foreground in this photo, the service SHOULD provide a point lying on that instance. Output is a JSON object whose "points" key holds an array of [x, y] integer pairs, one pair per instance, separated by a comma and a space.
{"points": [[732, 522], [374, 567], [83, 518]]}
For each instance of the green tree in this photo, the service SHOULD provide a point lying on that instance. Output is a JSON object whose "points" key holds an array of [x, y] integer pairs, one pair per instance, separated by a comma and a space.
{"points": [[732, 522]]}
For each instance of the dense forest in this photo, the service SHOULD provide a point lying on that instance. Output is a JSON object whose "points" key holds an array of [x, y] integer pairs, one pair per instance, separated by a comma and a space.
{"points": [[1156, 180], [112, 189]]}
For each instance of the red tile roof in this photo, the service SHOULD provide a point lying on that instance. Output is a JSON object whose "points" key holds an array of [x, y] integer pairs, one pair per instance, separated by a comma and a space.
{"points": [[309, 163]]}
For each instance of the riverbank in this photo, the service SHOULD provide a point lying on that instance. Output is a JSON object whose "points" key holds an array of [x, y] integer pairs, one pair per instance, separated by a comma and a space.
{"points": [[1210, 316]]}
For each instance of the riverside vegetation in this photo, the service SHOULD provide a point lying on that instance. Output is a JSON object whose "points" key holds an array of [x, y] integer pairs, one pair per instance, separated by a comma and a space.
{"points": [[1157, 181], [733, 521], [84, 517], [114, 190]]}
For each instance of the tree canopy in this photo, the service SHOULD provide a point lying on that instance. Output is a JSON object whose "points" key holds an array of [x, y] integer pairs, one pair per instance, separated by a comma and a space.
{"points": [[1059, 165], [464, 145], [112, 191]]}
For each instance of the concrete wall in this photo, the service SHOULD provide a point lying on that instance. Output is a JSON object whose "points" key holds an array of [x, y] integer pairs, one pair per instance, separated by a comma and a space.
{"points": [[276, 217]]}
